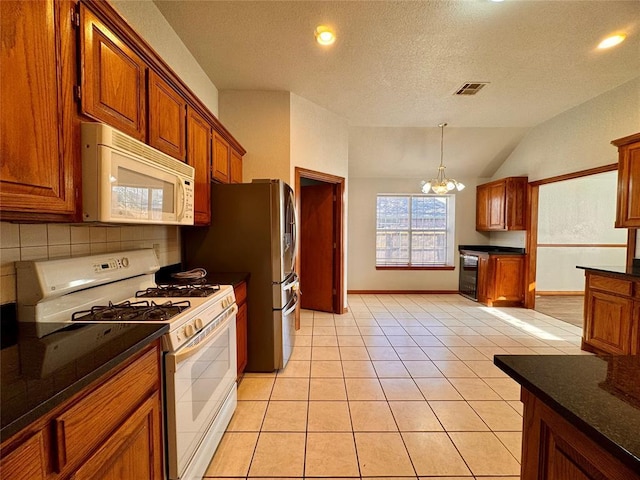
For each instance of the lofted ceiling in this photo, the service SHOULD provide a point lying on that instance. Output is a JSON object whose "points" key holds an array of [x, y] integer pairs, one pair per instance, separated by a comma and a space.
{"points": [[398, 63]]}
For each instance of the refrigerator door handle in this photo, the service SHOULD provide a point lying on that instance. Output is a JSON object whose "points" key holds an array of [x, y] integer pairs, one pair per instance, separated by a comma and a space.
{"points": [[293, 284], [294, 230], [292, 308]]}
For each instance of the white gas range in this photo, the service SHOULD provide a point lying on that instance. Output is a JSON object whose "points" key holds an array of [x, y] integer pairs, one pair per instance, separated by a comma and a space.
{"points": [[200, 347]]}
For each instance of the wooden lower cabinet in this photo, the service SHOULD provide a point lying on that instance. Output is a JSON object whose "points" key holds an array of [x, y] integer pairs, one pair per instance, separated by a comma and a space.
{"points": [[553, 449], [111, 430], [501, 280], [240, 291], [27, 461], [612, 315], [133, 451]]}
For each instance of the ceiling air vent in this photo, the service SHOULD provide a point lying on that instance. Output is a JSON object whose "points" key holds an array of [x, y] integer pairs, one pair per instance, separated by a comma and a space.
{"points": [[471, 88]]}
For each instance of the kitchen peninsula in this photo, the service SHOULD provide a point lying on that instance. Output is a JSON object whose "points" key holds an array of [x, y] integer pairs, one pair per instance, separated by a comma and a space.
{"points": [[581, 415], [612, 309]]}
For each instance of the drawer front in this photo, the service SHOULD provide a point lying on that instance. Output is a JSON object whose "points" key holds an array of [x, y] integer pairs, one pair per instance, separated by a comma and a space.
{"points": [[611, 285], [86, 424], [240, 292]]}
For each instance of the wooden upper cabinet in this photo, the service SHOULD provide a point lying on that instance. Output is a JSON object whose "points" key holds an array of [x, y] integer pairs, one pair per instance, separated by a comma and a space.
{"points": [[235, 167], [167, 118], [113, 78], [502, 205], [221, 154], [199, 157], [497, 195], [628, 205], [36, 101]]}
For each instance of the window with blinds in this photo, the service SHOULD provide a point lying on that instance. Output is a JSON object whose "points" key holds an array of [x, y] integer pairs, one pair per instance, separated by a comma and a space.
{"points": [[414, 230]]}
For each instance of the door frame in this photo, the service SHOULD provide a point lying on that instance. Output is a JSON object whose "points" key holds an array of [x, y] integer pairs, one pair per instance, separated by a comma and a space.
{"points": [[338, 254], [532, 227]]}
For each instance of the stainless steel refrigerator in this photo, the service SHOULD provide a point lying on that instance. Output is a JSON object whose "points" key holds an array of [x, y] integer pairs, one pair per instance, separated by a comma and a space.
{"points": [[253, 230]]}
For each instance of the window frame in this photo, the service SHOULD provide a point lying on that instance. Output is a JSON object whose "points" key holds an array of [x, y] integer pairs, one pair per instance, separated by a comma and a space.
{"points": [[449, 231]]}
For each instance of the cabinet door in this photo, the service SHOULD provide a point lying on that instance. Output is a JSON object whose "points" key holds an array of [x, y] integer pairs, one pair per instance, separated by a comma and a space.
{"points": [[516, 203], [508, 272], [496, 205], [133, 451], [167, 117], [241, 336], [27, 462], [628, 206], [199, 157], [36, 166], [235, 165], [113, 78], [482, 208], [608, 322], [221, 152]]}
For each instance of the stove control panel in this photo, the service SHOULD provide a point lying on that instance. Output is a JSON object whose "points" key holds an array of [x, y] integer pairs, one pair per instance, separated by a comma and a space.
{"points": [[111, 264]]}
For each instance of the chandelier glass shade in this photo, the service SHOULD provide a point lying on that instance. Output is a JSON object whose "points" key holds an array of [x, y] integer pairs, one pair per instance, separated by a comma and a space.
{"points": [[441, 184]]}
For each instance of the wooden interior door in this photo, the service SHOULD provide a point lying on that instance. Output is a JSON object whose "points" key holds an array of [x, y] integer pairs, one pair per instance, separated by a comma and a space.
{"points": [[317, 237]]}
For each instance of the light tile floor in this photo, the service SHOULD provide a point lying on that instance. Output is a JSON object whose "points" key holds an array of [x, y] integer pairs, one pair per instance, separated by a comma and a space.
{"points": [[400, 386]]}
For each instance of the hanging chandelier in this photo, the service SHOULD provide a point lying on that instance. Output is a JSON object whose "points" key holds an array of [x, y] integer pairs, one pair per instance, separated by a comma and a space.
{"points": [[441, 184]]}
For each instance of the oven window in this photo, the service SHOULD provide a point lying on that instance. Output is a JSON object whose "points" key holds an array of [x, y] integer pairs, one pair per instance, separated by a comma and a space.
{"points": [[135, 195], [207, 374]]}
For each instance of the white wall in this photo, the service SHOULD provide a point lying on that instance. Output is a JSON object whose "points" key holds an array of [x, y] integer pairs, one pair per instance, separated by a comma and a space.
{"points": [[587, 216], [319, 139], [362, 237], [575, 140], [579, 138], [150, 24], [260, 121]]}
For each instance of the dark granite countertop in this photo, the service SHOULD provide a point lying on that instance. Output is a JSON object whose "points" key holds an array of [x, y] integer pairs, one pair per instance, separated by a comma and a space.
{"points": [[600, 396], [495, 249], [615, 269], [38, 374]]}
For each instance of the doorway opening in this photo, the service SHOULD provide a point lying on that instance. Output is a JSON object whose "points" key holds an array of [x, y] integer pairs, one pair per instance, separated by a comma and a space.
{"points": [[570, 226], [320, 262]]}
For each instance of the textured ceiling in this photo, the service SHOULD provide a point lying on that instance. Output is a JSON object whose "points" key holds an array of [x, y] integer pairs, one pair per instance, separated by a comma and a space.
{"points": [[398, 63]]}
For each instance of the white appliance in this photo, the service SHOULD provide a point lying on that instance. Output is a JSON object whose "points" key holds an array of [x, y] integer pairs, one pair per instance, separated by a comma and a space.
{"points": [[200, 347], [127, 181]]}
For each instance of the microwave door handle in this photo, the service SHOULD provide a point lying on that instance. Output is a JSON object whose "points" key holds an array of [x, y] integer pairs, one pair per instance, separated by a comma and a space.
{"points": [[181, 202]]}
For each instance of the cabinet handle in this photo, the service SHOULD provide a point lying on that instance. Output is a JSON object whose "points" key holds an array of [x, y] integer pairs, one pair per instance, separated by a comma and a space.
{"points": [[60, 452]]}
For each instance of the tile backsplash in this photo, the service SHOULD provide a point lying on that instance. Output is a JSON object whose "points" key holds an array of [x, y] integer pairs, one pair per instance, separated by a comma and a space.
{"points": [[52, 240]]}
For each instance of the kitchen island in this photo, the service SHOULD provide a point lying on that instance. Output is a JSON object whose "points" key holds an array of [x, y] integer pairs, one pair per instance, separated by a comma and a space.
{"points": [[581, 415]]}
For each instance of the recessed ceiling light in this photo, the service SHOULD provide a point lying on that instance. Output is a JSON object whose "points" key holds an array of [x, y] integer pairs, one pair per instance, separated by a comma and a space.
{"points": [[497, 1], [324, 35], [612, 41]]}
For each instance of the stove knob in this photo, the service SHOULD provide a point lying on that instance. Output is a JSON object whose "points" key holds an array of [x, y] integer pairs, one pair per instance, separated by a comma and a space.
{"points": [[199, 323], [188, 330], [125, 262]]}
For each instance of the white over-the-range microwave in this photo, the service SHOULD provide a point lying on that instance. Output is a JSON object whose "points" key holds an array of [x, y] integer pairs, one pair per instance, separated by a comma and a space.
{"points": [[127, 181]]}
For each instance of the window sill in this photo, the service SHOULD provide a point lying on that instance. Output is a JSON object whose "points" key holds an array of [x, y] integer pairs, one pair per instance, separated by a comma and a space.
{"points": [[400, 267]]}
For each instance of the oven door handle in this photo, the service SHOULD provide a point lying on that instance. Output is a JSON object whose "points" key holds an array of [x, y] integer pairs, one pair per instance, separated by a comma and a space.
{"points": [[181, 355]]}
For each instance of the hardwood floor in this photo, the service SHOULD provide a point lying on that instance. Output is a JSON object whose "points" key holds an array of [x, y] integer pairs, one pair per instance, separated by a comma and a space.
{"points": [[568, 308]]}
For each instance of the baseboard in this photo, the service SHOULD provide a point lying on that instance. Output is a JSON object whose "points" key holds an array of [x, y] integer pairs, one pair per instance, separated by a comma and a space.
{"points": [[551, 293], [401, 292]]}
